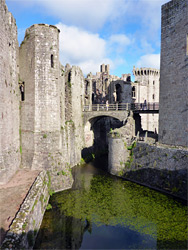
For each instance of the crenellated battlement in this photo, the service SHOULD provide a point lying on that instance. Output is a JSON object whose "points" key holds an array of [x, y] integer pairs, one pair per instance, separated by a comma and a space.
{"points": [[146, 72]]}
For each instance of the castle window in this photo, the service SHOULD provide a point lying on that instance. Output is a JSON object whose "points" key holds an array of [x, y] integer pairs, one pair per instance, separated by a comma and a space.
{"points": [[153, 96], [69, 77], [22, 91], [133, 92], [153, 82], [52, 61], [128, 79], [118, 92]]}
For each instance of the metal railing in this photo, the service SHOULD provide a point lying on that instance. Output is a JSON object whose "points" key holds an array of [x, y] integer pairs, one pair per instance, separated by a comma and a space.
{"points": [[122, 107], [145, 106]]}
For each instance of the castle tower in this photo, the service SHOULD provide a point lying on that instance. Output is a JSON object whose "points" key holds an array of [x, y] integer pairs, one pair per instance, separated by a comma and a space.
{"points": [[40, 107], [173, 113], [146, 89]]}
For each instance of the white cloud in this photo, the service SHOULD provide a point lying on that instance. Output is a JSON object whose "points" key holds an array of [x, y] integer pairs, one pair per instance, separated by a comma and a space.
{"points": [[88, 14], [87, 50], [120, 39], [78, 44], [150, 60], [82, 48], [118, 42], [146, 14]]}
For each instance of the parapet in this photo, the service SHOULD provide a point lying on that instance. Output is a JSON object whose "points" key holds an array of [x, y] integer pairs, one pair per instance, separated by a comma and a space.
{"points": [[35, 26], [145, 71]]}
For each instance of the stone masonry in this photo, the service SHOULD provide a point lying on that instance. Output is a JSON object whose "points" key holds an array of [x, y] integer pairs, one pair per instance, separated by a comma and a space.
{"points": [[41, 103], [9, 96], [40, 111], [173, 113]]}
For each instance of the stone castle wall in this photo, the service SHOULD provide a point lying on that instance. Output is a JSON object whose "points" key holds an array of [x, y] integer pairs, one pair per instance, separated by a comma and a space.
{"points": [[173, 113], [41, 103], [125, 92], [9, 95], [158, 167], [24, 229], [51, 114]]}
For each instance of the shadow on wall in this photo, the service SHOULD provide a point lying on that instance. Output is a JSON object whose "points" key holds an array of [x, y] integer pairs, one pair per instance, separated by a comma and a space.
{"points": [[142, 133], [2, 235], [18, 241], [100, 127], [173, 182]]}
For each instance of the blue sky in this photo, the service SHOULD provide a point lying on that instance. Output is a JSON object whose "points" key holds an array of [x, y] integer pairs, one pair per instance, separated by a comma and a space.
{"points": [[122, 33]]}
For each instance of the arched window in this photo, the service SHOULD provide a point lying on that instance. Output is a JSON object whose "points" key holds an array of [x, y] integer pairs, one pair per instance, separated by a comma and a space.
{"points": [[52, 61], [133, 92], [118, 92], [128, 79], [86, 87]]}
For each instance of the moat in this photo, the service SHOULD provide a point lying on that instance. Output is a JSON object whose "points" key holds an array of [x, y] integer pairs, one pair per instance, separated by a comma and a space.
{"points": [[105, 212]]}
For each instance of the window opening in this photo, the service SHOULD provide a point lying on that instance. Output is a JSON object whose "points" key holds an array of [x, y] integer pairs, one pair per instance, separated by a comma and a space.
{"points": [[133, 92], [128, 79], [69, 77], [118, 92], [22, 91], [52, 61]]}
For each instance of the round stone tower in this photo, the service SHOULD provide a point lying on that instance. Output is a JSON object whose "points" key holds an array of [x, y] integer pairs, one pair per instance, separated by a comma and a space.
{"points": [[40, 98]]}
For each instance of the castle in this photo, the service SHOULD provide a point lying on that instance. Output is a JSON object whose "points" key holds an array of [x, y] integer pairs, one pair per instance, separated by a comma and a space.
{"points": [[41, 114], [41, 101]]}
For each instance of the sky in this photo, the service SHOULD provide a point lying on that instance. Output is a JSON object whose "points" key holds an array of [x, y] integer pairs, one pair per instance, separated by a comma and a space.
{"points": [[122, 33]]}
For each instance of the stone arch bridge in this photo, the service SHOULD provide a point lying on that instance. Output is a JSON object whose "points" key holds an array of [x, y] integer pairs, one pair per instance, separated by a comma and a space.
{"points": [[118, 111]]}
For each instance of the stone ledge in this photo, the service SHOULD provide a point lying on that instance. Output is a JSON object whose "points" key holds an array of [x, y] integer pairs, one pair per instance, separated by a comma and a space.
{"points": [[25, 226]]}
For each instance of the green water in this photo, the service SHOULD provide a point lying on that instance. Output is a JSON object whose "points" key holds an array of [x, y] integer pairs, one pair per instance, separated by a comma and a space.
{"points": [[105, 212]]}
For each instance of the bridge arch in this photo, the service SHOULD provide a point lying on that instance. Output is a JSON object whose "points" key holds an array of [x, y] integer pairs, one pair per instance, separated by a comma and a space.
{"points": [[92, 116], [98, 124]]}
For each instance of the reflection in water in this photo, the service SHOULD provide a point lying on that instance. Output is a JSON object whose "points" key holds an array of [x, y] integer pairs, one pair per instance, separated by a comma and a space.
{"points": [[104, 212]]}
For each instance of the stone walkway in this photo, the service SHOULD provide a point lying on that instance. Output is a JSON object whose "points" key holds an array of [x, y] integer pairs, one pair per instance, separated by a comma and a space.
{"points": [[12, 195]]}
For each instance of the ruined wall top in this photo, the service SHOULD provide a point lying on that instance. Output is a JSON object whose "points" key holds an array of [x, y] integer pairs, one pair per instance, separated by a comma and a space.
{"points": [[35, 26], [4, 10], [105, 68]]}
